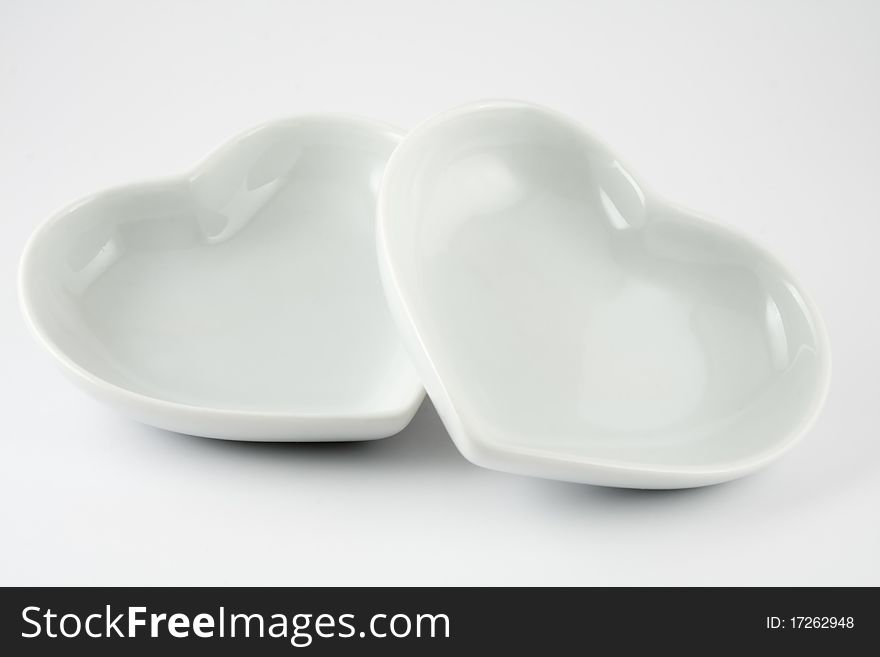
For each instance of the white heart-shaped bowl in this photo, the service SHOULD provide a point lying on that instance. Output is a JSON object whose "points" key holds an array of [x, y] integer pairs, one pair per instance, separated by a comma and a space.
{"points": [[241, 300], [569, 323]]}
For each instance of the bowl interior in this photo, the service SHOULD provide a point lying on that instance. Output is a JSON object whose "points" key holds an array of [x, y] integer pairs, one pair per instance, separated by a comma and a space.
{"points": [[570, 313], [250, 285]]}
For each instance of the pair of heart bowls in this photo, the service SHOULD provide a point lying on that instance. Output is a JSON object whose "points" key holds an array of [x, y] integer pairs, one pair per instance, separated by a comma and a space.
{"points": [[315, 276]]}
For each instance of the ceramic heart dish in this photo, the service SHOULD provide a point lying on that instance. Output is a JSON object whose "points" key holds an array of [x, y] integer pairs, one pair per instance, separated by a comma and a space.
{"points": [[566, 321], [241, 300], [569, 323]]}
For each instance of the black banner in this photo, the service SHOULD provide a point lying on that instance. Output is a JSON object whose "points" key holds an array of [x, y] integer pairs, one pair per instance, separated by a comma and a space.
{"points": [[277, 621]]}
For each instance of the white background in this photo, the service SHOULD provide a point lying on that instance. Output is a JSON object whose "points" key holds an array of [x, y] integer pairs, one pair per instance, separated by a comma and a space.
{"points": [[763, 114]]}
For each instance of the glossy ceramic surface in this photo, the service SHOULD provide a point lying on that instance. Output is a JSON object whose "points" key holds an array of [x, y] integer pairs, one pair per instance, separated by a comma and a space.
{"points": [[569, 323], [239, 301]]}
